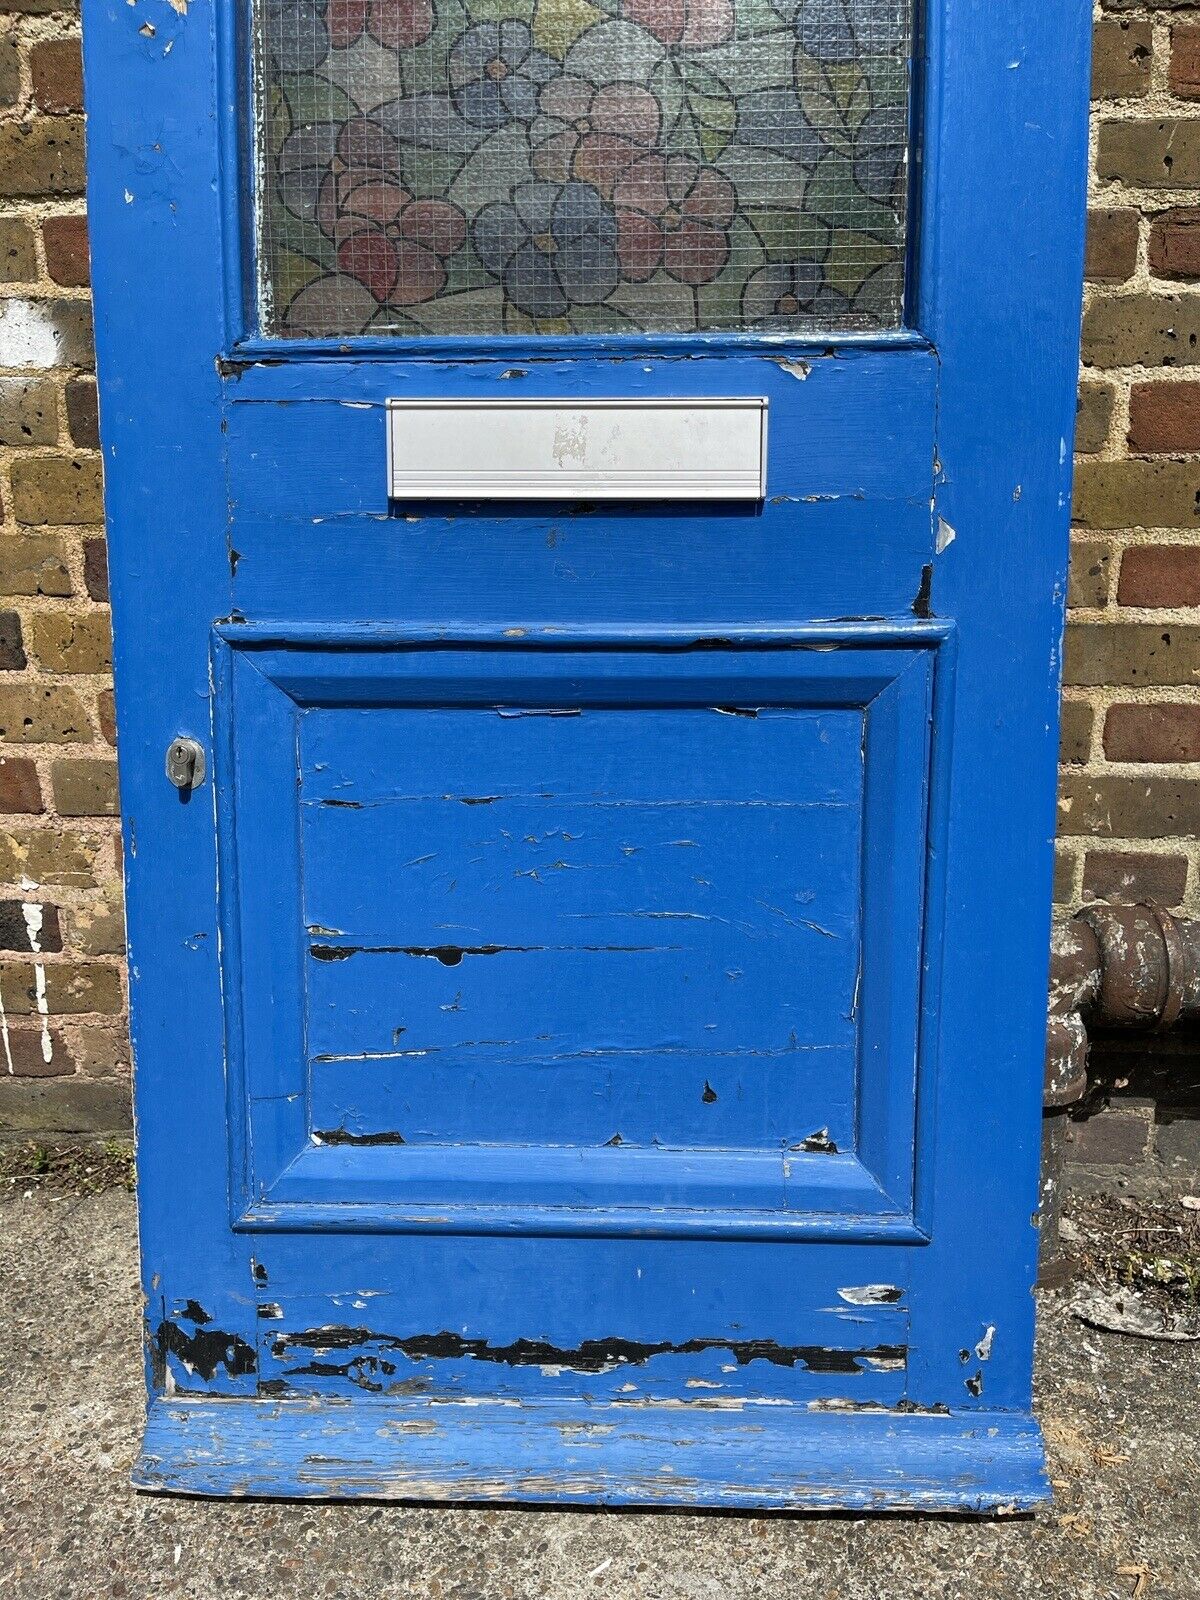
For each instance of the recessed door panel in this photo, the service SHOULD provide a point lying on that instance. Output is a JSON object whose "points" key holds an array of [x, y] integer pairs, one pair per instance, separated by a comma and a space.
{"points": [[576, 922], [589, 951]]}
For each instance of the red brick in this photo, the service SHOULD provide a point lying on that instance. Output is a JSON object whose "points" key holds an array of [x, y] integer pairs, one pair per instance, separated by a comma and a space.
{"points": [[10, 71], [20, 929], [1129, 876], [1166, 732], [1184, 72], [12, 648], [1112, 1137], [57, 69], [20, 790], [83, 414], [95, 568], [36, 1053], [66, 241], [1164, 418], [1175, 243], [1160, 575]]}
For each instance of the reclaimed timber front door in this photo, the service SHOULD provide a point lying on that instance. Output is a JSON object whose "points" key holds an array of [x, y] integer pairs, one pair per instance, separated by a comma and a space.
{"points": [[587, 489]]}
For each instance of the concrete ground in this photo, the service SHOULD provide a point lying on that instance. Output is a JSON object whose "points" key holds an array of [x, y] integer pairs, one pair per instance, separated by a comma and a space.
{"points": [[1122, 1416]]}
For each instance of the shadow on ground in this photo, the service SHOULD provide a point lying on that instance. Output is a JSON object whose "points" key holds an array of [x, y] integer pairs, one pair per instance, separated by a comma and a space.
{"points": [[1122, 1417]]}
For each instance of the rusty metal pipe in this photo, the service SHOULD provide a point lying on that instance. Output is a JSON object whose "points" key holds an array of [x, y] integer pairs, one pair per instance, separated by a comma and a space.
{"points": [[1110, 967], [1115, 967], [1125, 966]]}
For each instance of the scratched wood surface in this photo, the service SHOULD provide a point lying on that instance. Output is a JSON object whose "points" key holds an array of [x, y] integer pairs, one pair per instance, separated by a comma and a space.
{"points": [[617, 1455], [647, 905]]}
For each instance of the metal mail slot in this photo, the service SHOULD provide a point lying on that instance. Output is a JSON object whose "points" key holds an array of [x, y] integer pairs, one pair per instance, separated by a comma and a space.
{"points": [[679, 449]]}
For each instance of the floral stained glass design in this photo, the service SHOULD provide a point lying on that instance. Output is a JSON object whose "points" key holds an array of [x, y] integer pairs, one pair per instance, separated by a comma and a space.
{"points": [[581, 166]]}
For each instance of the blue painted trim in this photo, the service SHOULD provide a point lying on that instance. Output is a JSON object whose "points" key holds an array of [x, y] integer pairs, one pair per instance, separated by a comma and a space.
{"points": [[615, 635], [728, 1224], [245, 340], [937, 829], [768, 1457], [237, 200], [925, 150], [513, 347]]}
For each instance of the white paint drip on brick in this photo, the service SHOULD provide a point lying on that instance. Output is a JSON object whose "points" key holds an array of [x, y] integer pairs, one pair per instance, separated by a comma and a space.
{"points": [[4, 1035], [28, 337], [32, 912]]}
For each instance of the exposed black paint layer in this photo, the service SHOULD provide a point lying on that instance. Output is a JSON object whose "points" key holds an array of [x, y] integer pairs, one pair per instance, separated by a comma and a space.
{"points": [[204, 1351], [452, 955], [344, 1136], [592, 1355], [922, 605]]}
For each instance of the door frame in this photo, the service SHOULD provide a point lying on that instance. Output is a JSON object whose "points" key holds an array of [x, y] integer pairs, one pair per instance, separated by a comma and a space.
{"points": [[997, 254]]}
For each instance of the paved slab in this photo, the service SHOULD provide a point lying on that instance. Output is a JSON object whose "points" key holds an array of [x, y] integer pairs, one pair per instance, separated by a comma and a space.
{"points": [[1122, 1416]]}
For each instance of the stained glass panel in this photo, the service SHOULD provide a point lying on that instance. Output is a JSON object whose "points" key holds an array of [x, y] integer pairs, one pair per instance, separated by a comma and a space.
{"points": [[581, 166]]}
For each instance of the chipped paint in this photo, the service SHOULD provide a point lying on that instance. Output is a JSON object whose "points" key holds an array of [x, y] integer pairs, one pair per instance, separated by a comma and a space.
{"points": [[4, 1038], [33, 914], [721, 605], [871, 1294], [203, 1351], [592, 1355]]}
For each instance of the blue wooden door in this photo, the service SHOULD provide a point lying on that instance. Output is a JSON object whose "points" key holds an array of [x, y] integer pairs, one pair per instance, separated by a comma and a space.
{"points": [[588, 964]]}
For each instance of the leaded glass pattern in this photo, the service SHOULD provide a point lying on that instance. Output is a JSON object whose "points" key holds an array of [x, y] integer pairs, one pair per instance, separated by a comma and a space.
{"points": [[581, 166]]}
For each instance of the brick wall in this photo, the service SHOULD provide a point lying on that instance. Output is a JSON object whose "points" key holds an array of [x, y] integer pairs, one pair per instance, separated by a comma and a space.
{"points": [[1130, 794], [1130, 809], [61, 936]]}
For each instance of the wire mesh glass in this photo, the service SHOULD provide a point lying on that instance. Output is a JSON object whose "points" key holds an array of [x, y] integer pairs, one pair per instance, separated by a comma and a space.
{"points": [[581, 166]]}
